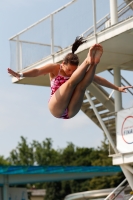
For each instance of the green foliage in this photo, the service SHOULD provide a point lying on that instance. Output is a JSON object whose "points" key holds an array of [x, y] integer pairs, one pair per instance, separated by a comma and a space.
{"points": [[57, 190], [23, 154], [105, 182], [4, 161], [44, 154]]}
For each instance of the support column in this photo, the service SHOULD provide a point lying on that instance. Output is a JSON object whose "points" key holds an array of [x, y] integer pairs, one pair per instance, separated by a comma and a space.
{"points": [[128, 175], [113, 12], [5, 188], [118, 96]]}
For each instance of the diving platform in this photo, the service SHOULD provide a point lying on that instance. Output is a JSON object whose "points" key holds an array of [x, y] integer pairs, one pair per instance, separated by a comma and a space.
{"points": [[118, 52]]}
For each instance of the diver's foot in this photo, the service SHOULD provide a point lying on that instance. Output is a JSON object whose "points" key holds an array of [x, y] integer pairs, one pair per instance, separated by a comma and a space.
{"points": [[98, 53], [91, 54]]}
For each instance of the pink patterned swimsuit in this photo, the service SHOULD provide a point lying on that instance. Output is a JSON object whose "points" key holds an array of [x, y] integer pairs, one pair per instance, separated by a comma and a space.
{"points": [[55, 84]]}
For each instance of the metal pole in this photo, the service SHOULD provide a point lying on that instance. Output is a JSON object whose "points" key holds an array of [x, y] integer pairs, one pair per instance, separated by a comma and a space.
{"points": [[113, 12], [5, 188], [131, 198], [94, 19], [18, 55], [101, 122], [116, 189], [118, 96], [52, 34]]}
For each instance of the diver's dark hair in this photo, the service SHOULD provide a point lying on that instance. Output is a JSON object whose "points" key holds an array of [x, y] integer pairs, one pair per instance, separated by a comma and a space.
{"points": [[72, 58], [77, 43]]}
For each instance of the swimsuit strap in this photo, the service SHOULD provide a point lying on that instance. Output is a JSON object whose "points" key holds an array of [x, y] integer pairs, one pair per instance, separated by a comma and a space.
{"points": [[59, 70], [60, 74]]}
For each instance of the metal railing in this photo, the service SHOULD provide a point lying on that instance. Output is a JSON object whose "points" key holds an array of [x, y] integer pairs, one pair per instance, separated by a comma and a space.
{"points": [[49, 36], [131, 198], [123, 84], [124, 11], [114, 191], [17, 43]]}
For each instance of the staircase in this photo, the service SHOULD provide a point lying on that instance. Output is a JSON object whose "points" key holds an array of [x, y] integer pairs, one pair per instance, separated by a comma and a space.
{"points": [[105, 108], [104, 105]]}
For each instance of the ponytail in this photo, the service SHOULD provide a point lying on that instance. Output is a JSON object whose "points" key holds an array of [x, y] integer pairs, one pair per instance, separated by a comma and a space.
{"points": [[78, 41]]}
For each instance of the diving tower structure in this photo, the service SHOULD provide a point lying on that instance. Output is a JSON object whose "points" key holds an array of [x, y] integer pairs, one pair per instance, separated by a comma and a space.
{"points": [[115, 33]]}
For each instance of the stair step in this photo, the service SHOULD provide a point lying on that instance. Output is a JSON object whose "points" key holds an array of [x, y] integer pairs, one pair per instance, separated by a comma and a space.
{"points": [[105, 115], [110, 121], [101, 108]]}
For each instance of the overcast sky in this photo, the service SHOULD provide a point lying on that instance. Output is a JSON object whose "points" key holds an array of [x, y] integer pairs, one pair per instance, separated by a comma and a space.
{"points": [[24, 109]]}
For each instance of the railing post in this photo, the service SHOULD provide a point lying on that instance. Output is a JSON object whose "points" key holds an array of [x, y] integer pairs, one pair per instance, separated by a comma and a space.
{"points": [[94, 19], [19, 55], [52, 34]]}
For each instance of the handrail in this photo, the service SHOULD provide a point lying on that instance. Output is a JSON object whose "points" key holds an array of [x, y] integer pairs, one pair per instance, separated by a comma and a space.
{"points": [[58, 10], [122, 83], [108, 18], [125, 7], [131, 198], [97, 23], [24, 41], [101, 121], [120, 191], [116, 188], [121, 4]]}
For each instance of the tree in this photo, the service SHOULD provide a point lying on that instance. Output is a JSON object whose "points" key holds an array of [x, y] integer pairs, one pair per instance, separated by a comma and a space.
{"points": [[44, 153], [4, 161], [23, 154]]}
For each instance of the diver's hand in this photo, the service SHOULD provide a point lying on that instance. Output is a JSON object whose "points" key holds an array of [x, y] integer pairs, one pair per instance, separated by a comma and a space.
{"points": [[124, 89], [10, 71]]}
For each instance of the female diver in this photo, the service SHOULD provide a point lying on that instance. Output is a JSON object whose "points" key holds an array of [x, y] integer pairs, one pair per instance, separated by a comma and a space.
{"points": [[69, 81]]}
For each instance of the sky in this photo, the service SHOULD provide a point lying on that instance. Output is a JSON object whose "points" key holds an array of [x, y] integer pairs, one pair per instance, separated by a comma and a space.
{"points": [[23, 108]]}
